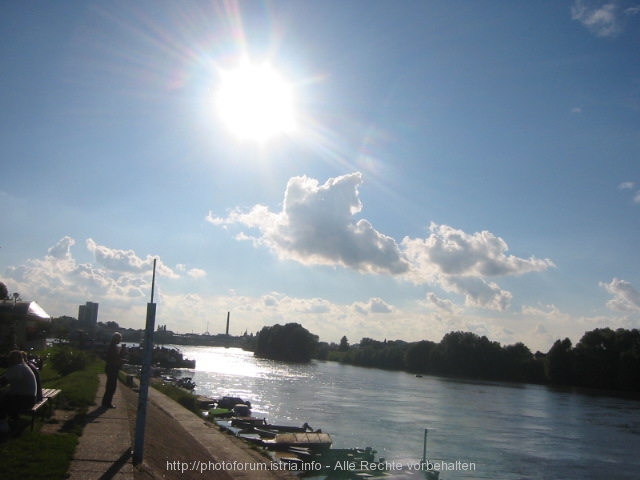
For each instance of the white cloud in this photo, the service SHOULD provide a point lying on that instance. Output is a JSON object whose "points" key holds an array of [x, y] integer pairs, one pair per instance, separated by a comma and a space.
{"points": [[630, 186], [600, 20], [121, 283], [374, 305], [625, 297], [449, 251], [196, 273], [478, 292], [441, 304], [317, 227], [127, 260], [459, 262], [62, 249], [270, 301], [631, 11]]}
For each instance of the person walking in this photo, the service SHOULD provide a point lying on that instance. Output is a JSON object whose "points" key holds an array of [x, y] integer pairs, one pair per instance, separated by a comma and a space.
{"points": [[112, 368]]}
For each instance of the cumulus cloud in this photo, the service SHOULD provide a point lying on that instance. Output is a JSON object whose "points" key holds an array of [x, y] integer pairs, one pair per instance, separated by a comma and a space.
{"points": [[118, 279], [374, 305], [454, 252], [460, 262], [196, 273], [601, 20], [62, 250], [126, 261], [269, 301], [441, 304], [317, 226], [625, 297]]}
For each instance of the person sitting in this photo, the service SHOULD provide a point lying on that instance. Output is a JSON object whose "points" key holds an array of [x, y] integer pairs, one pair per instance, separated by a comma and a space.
{"points": [[22, 389], [36, 372]]}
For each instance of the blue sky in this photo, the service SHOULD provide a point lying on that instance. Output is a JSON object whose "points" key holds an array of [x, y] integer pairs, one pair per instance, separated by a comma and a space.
{"points": [[455, 166]]}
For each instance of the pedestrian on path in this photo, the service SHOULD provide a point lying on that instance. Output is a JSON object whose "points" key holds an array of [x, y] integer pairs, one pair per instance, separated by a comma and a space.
{"points": [[114, 361]]}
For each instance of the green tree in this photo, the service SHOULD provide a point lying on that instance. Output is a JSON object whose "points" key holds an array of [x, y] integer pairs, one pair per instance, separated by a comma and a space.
{"points": [[517, 361], [596, 359], [559, 364], [4, 291], [344, 344], [417, 356], [290, 342]]}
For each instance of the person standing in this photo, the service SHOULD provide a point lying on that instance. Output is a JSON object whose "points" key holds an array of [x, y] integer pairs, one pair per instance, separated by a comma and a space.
{"points": [[112, 368]]}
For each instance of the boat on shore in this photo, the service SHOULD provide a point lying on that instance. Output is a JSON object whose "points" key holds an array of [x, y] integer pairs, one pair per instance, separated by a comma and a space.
{"points": [[168, 358], [306, 450], [311, 441]]}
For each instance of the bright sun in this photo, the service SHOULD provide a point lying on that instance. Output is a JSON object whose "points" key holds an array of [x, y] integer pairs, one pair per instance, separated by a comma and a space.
{"points": [[255, 103]]}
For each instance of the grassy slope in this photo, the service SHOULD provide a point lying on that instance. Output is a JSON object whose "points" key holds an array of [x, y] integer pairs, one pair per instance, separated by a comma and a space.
{"points": [[32, 455]]}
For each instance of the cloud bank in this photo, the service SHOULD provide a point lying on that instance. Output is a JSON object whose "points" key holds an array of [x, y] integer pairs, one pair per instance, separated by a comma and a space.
{"points": [[319, 225]]}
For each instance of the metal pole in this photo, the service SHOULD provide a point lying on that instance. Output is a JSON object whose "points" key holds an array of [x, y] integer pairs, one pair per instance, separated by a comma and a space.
{"points": [[145, 375], [424, 446]]}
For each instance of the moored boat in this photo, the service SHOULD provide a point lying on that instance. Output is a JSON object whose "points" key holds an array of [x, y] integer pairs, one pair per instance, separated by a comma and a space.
{"points": [[310, 440]]}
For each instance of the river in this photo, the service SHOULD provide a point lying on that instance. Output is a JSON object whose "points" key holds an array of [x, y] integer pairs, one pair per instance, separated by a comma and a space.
{"points": [[497, 430]]}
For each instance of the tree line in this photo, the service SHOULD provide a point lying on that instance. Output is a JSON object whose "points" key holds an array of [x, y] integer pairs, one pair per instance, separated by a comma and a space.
{"points": [[603, 358]]}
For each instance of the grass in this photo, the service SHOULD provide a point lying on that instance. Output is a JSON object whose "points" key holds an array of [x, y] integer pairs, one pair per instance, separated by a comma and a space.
{"points": [[34, 455], [185, 398]]}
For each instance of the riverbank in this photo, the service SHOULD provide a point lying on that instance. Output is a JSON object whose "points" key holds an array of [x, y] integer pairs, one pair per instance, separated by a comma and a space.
{"points": [[178, 444]]}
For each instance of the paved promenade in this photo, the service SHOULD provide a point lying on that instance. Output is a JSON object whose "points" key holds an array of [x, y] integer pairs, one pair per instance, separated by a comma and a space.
{"points": [[178, 444]]}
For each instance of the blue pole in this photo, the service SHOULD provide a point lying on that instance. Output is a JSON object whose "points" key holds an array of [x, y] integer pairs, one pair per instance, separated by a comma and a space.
{"points": [[145, 376]]}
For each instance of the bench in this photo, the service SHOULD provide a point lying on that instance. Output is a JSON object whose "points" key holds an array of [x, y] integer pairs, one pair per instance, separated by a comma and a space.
{"points": [[51, 394], [48, 396], [35, 409]]}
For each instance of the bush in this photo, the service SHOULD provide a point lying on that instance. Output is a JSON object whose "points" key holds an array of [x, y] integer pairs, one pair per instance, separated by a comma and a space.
{"points": [[66, 360]]}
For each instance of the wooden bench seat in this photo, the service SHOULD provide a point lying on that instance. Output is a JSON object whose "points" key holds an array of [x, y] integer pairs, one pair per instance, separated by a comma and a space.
{"points": [[51, 394], [33, 411], [48, 396]]}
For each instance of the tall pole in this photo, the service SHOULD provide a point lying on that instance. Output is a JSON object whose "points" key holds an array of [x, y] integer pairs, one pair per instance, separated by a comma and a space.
{"points": [[145, 375]]}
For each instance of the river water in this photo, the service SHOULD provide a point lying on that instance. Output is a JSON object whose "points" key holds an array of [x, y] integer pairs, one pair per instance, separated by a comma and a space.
{"points": [[498, 430]]}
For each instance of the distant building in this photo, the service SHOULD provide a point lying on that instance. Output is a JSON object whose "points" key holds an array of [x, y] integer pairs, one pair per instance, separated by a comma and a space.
{"points": [[88, 313]]}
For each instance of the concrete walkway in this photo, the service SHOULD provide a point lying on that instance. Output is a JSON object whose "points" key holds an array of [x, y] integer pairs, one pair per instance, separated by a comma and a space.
{"points": [[104, 451], [178, 444]]}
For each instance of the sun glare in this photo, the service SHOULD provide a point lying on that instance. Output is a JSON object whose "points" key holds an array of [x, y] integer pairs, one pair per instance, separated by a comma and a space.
{"points": [[255, 102]]}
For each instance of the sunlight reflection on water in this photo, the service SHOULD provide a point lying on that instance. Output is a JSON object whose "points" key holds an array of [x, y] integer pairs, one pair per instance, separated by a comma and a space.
{"points": [[510, 431]]}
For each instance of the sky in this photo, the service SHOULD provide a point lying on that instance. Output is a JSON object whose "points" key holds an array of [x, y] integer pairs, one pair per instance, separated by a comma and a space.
{"points": [[445, 166]]}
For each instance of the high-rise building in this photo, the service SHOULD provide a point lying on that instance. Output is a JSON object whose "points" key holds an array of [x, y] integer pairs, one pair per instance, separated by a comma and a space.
{"points": [[88, 313]]}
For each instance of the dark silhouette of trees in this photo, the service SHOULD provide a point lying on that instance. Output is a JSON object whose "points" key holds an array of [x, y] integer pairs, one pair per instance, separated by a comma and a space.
{"points": [[344, 344], [291, 342], [558, 365], [603, 358], [417, 356]]}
